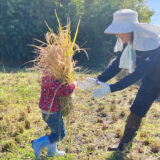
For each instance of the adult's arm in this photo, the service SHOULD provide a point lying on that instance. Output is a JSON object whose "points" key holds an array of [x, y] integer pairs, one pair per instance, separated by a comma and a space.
{"points": [[111, 70], [144, 65]]}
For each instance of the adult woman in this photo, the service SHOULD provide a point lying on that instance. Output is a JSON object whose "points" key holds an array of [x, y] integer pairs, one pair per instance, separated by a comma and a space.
{"points": [[138, 49]]}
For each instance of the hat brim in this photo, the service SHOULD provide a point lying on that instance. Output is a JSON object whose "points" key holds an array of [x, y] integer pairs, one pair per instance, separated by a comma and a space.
{"points": [[118, 28]]}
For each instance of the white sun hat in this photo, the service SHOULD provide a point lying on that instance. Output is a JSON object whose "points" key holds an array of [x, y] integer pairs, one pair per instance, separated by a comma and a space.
{"points": [[146, 36], [122, 21]]}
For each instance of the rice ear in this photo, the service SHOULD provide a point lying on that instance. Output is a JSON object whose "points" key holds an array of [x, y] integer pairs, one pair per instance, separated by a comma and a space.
{"points": [[60, 26]]}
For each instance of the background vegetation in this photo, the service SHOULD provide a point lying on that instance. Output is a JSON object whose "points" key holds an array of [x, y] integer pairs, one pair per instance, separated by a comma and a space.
{"points": [[23, 20]]}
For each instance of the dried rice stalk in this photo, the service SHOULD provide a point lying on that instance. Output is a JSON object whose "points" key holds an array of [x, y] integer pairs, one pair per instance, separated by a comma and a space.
{"points": [[56, 57]]}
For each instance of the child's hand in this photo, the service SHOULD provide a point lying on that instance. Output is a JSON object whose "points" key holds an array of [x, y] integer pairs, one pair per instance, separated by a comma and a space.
{"points": [[75, 83]]}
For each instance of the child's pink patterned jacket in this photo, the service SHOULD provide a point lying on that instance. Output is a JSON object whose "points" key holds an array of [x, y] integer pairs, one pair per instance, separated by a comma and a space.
{"points": [[51, 90]]}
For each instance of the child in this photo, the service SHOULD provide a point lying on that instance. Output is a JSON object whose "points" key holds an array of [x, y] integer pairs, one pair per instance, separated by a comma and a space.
{"points": [[51, 90]]}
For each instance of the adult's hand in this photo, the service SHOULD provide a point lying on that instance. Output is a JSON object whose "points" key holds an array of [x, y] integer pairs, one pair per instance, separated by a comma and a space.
{"points": [[88, 83], [100, 92]]}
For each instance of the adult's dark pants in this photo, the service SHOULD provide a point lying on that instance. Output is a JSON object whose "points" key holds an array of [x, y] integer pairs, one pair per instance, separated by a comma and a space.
{"points": [[146, 95]]}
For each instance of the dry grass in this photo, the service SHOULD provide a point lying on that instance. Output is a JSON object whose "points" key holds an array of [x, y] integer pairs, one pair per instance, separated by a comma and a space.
{"points": [[55, 56]]}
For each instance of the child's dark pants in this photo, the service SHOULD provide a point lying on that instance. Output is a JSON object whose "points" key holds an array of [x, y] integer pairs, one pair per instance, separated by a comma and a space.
{"points": [[56, 125]]}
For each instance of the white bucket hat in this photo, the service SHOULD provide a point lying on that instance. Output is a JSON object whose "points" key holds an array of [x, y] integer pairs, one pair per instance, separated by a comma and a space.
{"points": [[146, 36], [122, 21]]}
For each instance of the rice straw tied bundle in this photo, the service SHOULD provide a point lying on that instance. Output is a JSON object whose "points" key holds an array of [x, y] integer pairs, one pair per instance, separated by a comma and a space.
{"points": [[56, 57]]}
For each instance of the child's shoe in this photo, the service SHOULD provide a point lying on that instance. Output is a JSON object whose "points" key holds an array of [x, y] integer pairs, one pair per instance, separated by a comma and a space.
{"points": [[39, 144], [53, 151]]}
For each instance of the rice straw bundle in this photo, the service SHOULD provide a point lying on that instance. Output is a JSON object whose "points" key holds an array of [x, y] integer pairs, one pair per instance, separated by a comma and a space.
{"points": [[56, 57]]}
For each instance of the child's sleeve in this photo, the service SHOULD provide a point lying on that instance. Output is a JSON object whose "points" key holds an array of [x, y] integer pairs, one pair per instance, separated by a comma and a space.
{"points": [[65, 90]]}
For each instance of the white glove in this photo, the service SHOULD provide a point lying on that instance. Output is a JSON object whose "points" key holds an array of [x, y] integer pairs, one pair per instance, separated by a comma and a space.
{"points": [[88, 83], [100, 92]]}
